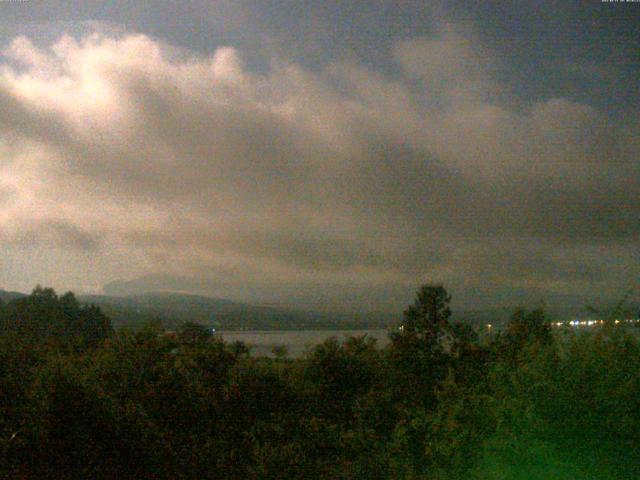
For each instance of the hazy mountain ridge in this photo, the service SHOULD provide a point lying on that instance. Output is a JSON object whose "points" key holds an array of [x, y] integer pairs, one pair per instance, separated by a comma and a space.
{"points": [[7, 296], [172, 309]]}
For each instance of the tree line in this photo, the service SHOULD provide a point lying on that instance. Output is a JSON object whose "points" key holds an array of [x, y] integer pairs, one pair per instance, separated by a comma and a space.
{"points": [[80, 400]]}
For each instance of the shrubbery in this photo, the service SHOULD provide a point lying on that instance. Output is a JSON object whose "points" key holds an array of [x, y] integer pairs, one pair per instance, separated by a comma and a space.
{"points": [[80, 401]]}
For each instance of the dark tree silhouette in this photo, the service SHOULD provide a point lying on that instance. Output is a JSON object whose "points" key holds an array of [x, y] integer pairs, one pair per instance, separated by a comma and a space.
{"points": [[428, 318], [421, 347], [526, 327], [43, 317]]}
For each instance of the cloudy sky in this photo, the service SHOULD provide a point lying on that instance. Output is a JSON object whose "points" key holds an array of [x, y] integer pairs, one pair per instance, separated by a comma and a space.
{"points": [[323, 155]]}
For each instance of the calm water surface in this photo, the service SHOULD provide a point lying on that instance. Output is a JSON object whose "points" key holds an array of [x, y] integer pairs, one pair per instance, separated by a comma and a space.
{"points": [[296, 342]]}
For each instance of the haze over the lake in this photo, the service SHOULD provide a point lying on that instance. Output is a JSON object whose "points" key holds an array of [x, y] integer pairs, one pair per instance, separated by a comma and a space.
{"points": [[329, 155]]}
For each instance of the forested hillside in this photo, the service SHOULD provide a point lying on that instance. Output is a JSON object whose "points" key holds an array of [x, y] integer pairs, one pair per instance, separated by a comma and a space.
{"points": [[78, 400]]}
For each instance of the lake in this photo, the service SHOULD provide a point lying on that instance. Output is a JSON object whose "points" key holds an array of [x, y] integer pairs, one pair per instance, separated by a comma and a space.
{"points": [[296, 341]]}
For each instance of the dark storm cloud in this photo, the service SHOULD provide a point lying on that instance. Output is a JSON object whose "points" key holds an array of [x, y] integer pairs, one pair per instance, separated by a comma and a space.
{"points": [[361, 175]]}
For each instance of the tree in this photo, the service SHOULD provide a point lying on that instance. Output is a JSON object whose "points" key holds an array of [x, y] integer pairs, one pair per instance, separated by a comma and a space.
{"points": [[523, 328], [92, 325], [280, 351], [193, 333], [43, 317], [421, 347], [428, 318]]}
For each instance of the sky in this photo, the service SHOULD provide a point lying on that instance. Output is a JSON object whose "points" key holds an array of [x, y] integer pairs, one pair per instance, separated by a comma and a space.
{"points": [[322, 155]]}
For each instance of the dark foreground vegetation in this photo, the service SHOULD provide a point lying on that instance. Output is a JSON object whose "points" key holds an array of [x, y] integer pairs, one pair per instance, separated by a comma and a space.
{"points": [[78, 401]]}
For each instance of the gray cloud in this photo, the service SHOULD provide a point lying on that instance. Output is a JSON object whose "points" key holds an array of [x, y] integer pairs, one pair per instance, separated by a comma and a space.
{"points": [[52, 233], [329, 187]]}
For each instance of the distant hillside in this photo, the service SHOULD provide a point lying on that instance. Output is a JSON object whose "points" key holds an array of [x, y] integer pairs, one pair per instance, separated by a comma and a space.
{"points": [[499, 317], [8, 296], [172, 309]]}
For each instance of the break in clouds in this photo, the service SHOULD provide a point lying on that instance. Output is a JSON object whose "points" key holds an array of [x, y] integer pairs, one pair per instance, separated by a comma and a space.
{"points": [[129, 163]]}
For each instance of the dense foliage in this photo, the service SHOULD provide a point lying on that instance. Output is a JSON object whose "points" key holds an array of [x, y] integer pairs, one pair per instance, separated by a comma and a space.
{"points": [[45, 318], [80, 401]]}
